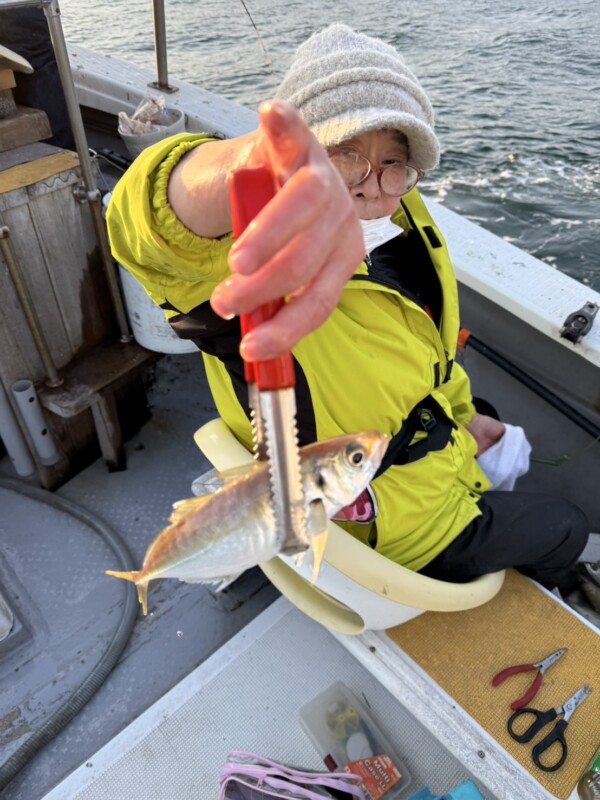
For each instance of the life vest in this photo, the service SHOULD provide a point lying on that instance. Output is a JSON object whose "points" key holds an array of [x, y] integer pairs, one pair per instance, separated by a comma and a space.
{"points": [[378, 362]]}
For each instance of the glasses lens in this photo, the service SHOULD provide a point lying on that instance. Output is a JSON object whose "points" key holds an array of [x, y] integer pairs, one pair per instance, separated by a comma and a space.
{"points": [[353, 167], [399, 179]]}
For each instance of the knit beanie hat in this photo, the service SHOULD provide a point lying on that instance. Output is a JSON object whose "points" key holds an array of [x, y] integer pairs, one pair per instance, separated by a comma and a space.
{"points": [[345, 83]]}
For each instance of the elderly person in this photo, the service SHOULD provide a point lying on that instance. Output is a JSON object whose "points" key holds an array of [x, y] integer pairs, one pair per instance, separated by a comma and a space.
{"points": [[372, 315]]}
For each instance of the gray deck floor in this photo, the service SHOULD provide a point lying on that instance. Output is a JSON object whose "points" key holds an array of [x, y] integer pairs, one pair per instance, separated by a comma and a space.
{"points": [[248, 697], [55, 567]]}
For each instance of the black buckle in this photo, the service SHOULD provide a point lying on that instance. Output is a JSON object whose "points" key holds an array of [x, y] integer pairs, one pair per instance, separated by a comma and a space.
{"points": [[579, 322], [427, 419]]}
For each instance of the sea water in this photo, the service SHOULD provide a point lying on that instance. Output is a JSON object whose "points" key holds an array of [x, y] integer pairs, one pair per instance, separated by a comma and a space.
{"points": [[515, 86]]}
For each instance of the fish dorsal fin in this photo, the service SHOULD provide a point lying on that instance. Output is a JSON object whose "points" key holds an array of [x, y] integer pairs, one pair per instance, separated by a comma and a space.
{"points": [[184, 507], [208, 485], [213, 480], [243, 471]]}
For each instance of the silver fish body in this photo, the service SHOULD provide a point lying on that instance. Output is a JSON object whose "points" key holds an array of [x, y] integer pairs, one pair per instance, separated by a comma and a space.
{"points": [[219, 535]]}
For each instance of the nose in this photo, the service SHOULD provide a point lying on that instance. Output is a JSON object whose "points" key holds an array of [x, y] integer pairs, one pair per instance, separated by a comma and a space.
{"points": [[369, 188]]}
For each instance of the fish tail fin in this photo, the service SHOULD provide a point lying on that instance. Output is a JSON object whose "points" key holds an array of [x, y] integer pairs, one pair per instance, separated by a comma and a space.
{"points": [[141, 586]]}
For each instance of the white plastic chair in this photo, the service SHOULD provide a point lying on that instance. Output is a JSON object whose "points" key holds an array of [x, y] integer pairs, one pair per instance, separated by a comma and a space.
{"points": [[357, 589]]}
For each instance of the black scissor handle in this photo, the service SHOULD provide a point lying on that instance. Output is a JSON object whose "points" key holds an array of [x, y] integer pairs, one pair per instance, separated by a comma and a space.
{"points": [[542, 718], [555, 735]]}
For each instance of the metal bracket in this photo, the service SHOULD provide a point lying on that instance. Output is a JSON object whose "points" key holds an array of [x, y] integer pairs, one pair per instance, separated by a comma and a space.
{"points": [[579, 323], [162, 88], [80, 193]]}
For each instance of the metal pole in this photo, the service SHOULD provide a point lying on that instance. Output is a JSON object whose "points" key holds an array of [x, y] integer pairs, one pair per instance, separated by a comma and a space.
{"points": [[160, 47], [52, 12], [6, 247]]}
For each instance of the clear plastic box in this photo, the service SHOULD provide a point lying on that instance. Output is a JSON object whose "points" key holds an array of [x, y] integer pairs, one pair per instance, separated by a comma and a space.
{"points": [[347, 737]]}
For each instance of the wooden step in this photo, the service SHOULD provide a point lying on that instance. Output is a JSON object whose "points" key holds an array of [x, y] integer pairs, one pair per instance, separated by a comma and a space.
{"points": [[25, 126], [87, 378], [91, 382]]}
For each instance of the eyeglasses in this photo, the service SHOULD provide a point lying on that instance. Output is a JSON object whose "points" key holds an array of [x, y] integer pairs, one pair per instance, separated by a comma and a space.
{"points": [[396, 178]]}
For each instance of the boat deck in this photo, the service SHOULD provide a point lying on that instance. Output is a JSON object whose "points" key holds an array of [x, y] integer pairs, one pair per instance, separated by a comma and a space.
{"points": [[52, 574], [247, 697]]}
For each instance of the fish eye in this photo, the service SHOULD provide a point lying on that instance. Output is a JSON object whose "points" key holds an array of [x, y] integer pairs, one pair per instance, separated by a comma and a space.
{"points": [[356, 456]]}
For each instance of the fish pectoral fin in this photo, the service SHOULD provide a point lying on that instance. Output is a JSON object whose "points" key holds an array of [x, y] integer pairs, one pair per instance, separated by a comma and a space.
{"points": [[317, 529], [227, 581]]}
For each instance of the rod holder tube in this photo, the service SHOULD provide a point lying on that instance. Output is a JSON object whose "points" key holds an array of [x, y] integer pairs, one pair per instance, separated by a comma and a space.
{"points": [[33, 418], [13, 439]]}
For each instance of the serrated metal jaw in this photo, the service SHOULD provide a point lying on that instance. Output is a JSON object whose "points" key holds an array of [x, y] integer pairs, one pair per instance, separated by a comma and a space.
{"points": [[278, 412]]}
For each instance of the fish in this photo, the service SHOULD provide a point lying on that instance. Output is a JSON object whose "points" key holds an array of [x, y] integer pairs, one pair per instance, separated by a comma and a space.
{"points": [[231, 527], [589, 580]]}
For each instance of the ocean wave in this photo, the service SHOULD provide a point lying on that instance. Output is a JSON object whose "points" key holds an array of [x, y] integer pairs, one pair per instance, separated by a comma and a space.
{"points": [[512, 85]]}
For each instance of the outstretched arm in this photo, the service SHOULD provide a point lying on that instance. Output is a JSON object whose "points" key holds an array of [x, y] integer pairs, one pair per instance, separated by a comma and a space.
{"points": [[305, 244]]}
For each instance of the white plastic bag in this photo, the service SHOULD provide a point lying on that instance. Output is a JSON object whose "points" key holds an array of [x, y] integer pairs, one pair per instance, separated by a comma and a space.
{"points": [[149, 113], [506, 460]]}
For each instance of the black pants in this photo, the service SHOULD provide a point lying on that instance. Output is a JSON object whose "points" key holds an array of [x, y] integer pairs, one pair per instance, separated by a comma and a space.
{"points": [[539, 535]]}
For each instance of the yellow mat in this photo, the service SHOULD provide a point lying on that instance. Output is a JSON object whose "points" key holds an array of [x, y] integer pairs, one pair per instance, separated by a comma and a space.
{"points": [[462, 651]]}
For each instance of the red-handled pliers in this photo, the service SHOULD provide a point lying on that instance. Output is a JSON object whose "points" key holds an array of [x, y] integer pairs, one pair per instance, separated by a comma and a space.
{"points": [[271, 383], [540, 666]]}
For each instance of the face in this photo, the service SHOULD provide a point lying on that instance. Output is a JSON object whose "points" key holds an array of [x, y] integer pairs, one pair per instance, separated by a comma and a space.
{"points": [[379, 147]]}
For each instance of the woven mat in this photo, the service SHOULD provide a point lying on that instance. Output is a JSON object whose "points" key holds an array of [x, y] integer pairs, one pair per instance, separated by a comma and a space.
{"points": [[462, 651]]}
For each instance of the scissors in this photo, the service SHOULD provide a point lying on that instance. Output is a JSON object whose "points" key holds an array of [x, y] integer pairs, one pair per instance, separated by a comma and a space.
{"points": [[541, 666], [557, 734]]}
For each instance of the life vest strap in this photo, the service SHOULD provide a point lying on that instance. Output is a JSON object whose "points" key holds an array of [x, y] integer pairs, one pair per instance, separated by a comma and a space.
{"points": [[427, 416]]}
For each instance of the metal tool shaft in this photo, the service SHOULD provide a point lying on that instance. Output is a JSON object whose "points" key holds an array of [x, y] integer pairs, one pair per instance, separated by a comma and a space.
{"points": [[278, 409]]}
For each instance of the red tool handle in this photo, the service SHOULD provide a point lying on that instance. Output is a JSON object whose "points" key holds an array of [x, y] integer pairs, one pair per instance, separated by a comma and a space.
{"points": [[506, 673], [251, 188], [529, 695]]}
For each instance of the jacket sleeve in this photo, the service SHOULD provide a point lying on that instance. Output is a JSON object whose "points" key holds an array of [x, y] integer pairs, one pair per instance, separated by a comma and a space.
{"points": [[458, 392], [176, 267]]}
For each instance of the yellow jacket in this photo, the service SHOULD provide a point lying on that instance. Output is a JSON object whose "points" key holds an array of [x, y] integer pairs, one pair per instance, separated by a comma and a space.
{"points": [[377, 357]]}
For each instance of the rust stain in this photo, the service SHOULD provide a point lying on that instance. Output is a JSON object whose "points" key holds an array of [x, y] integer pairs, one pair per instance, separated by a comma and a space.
{"points": [[11, 730]]}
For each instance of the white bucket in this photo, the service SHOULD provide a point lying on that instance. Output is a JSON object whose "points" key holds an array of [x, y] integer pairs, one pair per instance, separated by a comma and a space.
{"points": [[148, 324], [135, 143]]}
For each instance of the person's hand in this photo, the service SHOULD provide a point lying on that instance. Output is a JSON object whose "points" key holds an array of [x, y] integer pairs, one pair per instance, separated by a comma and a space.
{"points": [[305, 244], [486, 431]]}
